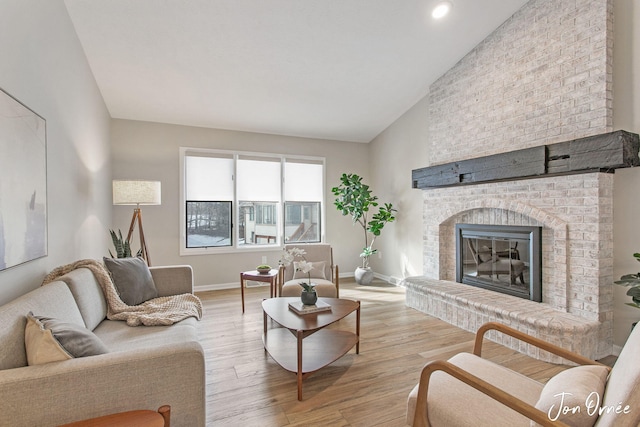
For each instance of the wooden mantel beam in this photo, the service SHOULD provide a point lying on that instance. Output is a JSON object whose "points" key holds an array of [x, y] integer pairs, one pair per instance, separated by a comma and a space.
{"points": [[603, 153]]}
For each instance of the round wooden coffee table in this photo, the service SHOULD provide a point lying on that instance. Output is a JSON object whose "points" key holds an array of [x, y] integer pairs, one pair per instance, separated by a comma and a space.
{"points": [[302, 345]]}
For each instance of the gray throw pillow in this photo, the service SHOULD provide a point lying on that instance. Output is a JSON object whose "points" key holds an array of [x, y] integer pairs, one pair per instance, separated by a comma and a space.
{"points": [[48, 340], [132, 279]]}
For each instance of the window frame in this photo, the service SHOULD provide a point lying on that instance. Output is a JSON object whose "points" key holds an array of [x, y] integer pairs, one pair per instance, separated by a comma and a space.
{"points": [[235, 246]]}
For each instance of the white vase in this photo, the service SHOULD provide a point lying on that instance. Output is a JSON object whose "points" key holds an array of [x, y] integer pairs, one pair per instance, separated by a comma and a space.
{"points": [[364, 276]]}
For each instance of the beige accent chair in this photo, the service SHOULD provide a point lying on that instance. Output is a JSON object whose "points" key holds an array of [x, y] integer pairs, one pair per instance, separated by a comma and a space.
{"points": [[324, 273], [467, 390], [489, 263]]}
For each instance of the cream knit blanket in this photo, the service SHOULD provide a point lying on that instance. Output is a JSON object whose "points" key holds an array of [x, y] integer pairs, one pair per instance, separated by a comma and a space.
{"points": [[155, 312]]}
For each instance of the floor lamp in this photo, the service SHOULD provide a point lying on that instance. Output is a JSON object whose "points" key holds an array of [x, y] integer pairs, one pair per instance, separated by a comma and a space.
{"points": [[135, 192]]}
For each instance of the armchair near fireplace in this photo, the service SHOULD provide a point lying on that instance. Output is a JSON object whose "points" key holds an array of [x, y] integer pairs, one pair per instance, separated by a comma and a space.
{"points": [[469, 390], [489, 263]]}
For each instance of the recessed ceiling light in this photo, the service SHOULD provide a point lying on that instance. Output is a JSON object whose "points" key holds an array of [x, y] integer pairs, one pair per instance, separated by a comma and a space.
{"points": [[441, 10]]}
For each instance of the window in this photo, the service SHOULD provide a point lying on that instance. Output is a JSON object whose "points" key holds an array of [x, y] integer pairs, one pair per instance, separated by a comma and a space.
{"points": [[258, 190], [208, 224], [236, 200], [303, 191]]}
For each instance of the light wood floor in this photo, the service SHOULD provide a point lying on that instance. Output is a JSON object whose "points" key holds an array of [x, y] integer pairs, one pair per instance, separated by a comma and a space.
{"points": [[245, 387]]}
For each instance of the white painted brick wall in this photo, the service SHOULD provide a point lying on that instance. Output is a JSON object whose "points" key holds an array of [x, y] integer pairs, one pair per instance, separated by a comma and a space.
{"points": [[544, 76]]}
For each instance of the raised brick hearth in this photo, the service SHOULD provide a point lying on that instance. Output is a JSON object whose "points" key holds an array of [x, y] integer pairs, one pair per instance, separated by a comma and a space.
{"points": [[576, 216]]}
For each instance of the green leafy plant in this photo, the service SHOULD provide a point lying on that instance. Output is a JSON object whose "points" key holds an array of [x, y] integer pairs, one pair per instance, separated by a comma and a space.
{"points": [[355, 198], [633, 281], [122, 246]]}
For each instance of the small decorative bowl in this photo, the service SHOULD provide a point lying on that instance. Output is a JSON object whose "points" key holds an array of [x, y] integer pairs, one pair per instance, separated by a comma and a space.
{"points": [[263, 270]]}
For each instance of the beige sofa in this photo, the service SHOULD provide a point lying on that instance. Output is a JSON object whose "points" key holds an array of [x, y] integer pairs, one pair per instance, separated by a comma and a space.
{"points": [[146, 366]]}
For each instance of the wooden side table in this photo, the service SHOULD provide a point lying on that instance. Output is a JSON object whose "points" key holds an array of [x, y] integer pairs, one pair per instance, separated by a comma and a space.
{"points": [[140, 418], [271, 278]]}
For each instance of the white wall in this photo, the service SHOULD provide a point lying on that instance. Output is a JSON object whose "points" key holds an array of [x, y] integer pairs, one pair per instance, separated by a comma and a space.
{"points": [[143, 150], [43, 66], [626, 116], [398, 150]]}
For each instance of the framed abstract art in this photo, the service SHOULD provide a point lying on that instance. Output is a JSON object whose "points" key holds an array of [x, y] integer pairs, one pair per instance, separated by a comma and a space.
{"points": [[23, 183]]}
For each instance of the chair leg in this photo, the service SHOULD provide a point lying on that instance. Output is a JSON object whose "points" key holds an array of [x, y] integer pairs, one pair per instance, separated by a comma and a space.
{"points": [[165, 411]]}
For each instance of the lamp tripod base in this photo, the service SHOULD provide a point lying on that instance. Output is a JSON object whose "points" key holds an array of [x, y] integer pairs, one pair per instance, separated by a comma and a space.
{"points": [[137, 218]]}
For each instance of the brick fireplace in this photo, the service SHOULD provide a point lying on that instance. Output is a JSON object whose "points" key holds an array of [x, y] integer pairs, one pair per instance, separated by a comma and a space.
{"points": [[575, 213], [543, 77]]}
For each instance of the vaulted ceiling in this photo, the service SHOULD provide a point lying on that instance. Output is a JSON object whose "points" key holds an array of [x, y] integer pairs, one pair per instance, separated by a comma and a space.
{"points": [[331, 69]]}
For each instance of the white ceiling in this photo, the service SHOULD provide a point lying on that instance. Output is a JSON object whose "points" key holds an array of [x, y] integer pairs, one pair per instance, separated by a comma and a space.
{"points": [[332, 69]]}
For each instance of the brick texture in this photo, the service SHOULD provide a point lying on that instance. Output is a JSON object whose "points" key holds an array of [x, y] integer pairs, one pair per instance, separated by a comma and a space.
{"points": [[576, 216], [544, 76]]}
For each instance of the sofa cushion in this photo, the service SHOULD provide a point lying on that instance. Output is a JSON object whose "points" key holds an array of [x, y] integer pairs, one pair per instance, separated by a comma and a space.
{"points": [[50, 340], [53, 300], [117, 336], [132, 279], [574, 388], [324, 288], [88, 295]]}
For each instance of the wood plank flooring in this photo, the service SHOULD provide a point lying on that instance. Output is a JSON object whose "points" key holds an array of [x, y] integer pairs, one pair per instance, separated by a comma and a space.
{"points": [[245, 387]]}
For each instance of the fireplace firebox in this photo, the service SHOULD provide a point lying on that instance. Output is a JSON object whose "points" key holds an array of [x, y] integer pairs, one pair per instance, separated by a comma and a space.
{"points": [[506, 259]]}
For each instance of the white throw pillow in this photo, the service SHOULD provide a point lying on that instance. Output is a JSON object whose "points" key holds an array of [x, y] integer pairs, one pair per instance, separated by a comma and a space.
{"points": [[566, 395], [317, 272]]}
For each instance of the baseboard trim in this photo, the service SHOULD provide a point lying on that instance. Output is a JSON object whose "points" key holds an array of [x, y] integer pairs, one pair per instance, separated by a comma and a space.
{"points": [[236, 285], [216, 287]]}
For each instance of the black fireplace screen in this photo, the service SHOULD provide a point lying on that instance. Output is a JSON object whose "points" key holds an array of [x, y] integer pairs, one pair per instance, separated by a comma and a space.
{"points": [[502, 258]]}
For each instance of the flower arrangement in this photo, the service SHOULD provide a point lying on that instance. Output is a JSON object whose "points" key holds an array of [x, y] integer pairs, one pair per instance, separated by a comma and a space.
{"points": [[304, 266]]}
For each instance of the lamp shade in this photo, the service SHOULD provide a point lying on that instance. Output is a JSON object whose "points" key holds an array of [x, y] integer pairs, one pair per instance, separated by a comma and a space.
{"points": [[136, 192]]}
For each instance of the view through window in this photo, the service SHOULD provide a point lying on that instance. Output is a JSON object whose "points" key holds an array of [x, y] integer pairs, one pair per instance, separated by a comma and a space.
{"points": [[236, 200]]}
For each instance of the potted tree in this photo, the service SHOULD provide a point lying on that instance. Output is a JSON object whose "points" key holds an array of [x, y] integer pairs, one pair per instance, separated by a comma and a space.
{"points": [[354, 198]]}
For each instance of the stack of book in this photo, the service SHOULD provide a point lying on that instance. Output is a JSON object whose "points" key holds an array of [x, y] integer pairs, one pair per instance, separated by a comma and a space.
{"points": [[300, 308]]}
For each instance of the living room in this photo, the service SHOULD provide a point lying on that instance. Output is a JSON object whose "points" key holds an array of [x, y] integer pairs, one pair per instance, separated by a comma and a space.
{"points": [[46, 68]]}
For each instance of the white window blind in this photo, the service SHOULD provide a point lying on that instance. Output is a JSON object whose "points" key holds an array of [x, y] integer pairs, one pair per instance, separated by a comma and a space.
{"points": [[208, 178]]}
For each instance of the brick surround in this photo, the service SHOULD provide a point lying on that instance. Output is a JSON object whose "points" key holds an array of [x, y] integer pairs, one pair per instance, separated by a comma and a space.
{"points": [[576, 216], [544, 76]]}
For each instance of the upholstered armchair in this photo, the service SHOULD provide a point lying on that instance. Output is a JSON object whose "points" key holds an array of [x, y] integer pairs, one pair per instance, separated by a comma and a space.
{"points": [[469, 390], [324, 274]]}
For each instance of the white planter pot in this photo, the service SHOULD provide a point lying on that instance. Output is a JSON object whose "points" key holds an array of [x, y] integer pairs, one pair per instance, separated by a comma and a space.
{"points": [[364, 276]]}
